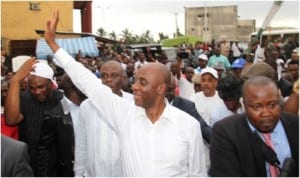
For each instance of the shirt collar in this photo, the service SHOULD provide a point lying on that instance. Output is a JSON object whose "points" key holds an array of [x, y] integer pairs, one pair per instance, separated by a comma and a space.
{"points": [[167, 113], [274, 132]]}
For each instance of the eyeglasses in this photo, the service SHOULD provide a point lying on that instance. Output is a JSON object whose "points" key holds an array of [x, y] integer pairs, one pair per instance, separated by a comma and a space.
{"points": [[112, 75]]}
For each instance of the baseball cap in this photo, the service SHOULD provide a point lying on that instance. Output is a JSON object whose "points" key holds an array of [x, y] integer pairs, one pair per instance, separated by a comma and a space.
{"points": [[211, 71], [43, 70], [203, 57], [238, 63]]}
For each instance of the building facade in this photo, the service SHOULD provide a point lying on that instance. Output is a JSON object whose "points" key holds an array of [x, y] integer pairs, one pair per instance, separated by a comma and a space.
{"points": [[20, 19], [218, 22]]}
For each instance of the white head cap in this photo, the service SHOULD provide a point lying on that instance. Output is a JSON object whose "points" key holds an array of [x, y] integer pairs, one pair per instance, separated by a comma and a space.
{"points": [[203, 57], [43, 70], [211, 71]]}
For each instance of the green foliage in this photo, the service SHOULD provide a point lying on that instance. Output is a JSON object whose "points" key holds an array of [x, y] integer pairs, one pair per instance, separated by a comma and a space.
{"points": [[112, 35], [129, 38], [180, 40], [162, 36], [101, 32]]}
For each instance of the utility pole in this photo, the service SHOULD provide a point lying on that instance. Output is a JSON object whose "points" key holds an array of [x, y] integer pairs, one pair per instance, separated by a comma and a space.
{"points": [[176, 25], [205, 23]]}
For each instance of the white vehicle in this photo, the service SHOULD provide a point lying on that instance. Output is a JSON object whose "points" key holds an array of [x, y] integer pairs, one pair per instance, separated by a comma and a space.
{"points": [[275, 34]]}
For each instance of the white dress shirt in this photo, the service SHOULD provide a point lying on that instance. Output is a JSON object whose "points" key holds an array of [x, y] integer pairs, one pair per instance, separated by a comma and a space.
{"points": [[222, 111], [97, 149], [73, 109], [206, 106], [186, 88], [172, 146]]}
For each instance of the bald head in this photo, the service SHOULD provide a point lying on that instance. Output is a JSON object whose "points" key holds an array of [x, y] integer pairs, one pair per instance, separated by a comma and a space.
{"points": [[257, 81], [112, 75], [114, 64], [159, 71], [151, 85]]}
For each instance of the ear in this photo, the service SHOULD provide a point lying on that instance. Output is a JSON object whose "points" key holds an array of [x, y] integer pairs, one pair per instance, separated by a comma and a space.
{"points": [[162, 89]]}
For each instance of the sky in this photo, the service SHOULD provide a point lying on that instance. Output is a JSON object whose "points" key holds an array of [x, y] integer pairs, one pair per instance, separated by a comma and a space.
{"points": [[160, 15]]}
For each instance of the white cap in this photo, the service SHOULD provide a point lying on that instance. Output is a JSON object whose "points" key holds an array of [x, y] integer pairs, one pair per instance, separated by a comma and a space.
{"points": [[43, 70], [203, 57], [211, 71]]}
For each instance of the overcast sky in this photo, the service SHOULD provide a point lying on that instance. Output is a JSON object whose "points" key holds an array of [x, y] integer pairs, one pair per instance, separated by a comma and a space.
{"points": [[159, 16]]}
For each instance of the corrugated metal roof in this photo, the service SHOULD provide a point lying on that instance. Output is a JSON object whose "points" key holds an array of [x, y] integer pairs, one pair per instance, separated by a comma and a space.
{"points": [[98, 38], [87, 46]]}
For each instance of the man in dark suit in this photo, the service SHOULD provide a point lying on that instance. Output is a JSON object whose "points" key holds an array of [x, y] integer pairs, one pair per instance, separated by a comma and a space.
{"points": [[14, 158], [190, 108], [238, 143]]}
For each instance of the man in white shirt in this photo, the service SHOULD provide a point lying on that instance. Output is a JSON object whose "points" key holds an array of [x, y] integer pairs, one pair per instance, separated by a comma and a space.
{"points": [[208, 99], [97, 151], [156, 138], [184, 82], [142, 60]]}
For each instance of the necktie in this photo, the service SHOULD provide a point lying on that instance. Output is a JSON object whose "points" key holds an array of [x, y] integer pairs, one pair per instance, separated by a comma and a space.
{"points": [[274, 171]]}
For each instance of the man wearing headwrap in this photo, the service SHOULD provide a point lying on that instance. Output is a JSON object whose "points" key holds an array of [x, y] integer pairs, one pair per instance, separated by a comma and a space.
{"points": [[42, 121]]}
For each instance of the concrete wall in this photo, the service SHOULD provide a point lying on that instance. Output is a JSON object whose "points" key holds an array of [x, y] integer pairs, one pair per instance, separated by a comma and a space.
{"points": [[222, 23], [18, 22], [244, 29]]}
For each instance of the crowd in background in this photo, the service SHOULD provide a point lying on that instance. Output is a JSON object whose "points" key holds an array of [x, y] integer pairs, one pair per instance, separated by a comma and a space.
{"points": [[211, 75]]}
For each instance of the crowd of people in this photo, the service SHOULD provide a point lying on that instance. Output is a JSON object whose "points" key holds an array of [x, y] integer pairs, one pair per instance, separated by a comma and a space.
{"points": [[217, 110]]}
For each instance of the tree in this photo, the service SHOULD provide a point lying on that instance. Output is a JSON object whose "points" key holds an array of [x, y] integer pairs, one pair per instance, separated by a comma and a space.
{"points": [[146, 37], [162, 36], [112, 35], [178, 32], [127, 36], [101, 32]]}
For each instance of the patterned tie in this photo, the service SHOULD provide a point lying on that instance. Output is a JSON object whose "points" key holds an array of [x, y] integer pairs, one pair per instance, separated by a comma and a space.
{"points": [[274, 171]]}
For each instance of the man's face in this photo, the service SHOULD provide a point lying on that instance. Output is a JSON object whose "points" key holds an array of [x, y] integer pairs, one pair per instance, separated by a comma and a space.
{"points": [[208, 84], [146, 87], [237, 72], [142, 56], [173, 68], [217, 51], [202, 63], [111, 75], [262, 105], [294, 70], [171, 91], [294, 56], [232, 104], [189, 73], [197, 87], [130, 69], [39, 87]]}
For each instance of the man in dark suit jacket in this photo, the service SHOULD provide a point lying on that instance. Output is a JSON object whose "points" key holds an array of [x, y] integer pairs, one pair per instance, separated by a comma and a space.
{"points": [[236, 144], [14, 158], [190, 108]]}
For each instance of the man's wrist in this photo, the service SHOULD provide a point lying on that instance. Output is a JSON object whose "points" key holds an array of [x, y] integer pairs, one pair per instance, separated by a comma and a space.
{"points": [[54, 46]]}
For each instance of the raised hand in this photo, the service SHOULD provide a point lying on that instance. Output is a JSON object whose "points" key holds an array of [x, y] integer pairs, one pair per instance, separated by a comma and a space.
{"points": [[25, 69], [50, 31]]}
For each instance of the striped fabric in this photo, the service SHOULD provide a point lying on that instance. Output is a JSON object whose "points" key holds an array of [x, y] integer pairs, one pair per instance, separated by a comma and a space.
{"points": [[87, 46]]}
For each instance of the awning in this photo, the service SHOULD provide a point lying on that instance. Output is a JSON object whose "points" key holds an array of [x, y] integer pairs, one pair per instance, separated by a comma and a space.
{"points": [[86, 45]]}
